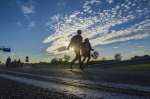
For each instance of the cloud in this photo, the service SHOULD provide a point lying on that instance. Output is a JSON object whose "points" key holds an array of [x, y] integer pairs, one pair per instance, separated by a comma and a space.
{"points": [[27, 9], [87, 5], [110, 1], [19, 24], [97, 24], [61, 4], [31, 24], [115, 47], [137, 31], [140, 46]]}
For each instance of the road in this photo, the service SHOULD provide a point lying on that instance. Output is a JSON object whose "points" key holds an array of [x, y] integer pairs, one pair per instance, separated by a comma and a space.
{"points": [[96, 83], [11, 89]]}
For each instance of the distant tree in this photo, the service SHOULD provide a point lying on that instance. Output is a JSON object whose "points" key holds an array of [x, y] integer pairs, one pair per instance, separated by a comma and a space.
{"points": [[135, 58], [66, 58], [145, 57], [103, 59], [54, 61], [60, 60], [118, 57], [27, 59]]}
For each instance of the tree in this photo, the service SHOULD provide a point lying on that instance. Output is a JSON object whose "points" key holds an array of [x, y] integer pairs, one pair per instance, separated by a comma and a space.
{"points": [[27, 59], [118, 57], [60, 60], [104, 59], [54, 61], [66, 58]]}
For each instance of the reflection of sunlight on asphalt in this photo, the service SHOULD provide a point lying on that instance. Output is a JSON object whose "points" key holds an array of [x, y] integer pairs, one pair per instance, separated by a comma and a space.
{"points": [[72, 89], [75, 73]]}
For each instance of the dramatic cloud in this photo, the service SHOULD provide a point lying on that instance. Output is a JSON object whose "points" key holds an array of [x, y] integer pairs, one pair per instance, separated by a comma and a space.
{"points": [[103, 26]]}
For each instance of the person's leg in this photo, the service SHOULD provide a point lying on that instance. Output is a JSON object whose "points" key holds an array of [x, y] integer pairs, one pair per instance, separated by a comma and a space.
{"points": [[89, 57], [79, 59], [73, 61], [83, 59]]}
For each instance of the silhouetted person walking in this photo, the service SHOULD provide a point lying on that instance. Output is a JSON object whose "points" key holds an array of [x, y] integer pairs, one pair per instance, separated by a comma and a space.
{"points": [[19, 63], [8, 62], [75, 43], [86, 50]]}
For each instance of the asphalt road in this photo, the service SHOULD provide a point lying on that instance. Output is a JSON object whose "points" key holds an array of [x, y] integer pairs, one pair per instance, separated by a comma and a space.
{"points": [[79, 76], [10, 89], [94, 74]]}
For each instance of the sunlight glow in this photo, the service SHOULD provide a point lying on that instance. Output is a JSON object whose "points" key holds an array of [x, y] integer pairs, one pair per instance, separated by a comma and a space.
{"points": [[71, 49]]}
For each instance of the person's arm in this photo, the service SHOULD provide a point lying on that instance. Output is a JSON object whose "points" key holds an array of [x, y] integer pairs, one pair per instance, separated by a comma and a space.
{"points": [[68, 46], [70, 43], [91, 47]]}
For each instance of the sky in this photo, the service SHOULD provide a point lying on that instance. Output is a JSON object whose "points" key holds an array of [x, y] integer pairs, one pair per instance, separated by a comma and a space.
{"points": [[39, 28]]}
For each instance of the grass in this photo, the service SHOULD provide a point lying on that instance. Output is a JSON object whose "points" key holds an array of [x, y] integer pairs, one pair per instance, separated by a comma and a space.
{"points": [[138, 67], [142, 67]]}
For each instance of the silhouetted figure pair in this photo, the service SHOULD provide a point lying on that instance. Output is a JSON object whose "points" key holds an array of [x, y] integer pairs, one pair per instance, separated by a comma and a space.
{"points": [[80, 47]]}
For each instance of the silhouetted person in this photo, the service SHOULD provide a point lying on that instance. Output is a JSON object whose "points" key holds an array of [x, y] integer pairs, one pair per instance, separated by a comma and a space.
{"points": [[75, 43], [8, 62], [86, 50], [15, 63], [19, 63]]}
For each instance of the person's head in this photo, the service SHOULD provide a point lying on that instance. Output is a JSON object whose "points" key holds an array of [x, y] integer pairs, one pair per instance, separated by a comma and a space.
{"points": [[79, 32], [86, 40]]}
